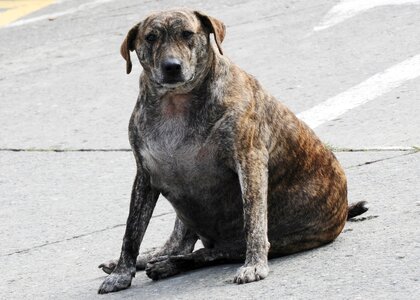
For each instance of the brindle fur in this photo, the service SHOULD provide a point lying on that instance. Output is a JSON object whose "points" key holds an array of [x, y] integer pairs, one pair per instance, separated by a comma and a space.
{"points": [[243, 173]]}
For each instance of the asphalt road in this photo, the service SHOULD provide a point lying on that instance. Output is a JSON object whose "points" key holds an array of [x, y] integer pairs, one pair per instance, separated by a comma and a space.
{"points": [[63, 87]]}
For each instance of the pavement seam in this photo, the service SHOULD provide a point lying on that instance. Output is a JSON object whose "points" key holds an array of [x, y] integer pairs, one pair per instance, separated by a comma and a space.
{"points": [[411, 149], [65, 150], [380, 160], [26, 250]]}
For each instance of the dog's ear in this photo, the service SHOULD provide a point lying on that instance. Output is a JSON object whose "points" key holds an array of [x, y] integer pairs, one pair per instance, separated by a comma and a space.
{"points": [[214, 26], [128, 45]]}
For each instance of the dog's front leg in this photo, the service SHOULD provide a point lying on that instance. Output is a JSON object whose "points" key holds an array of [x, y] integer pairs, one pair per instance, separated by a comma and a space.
{"points": [[252, 168], [143, 201]]}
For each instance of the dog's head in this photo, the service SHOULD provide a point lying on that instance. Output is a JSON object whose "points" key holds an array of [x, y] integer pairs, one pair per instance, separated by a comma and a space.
{"points": [[173, 46]]}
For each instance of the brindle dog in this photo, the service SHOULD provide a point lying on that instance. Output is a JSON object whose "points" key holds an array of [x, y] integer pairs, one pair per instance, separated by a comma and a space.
{"points": [[244, 175]]}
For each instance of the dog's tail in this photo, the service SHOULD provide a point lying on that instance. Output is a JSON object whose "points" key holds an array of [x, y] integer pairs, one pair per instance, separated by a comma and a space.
{"points": [[356, 209]]}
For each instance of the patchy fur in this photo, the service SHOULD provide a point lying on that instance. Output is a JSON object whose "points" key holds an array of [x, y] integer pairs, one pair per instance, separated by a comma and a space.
{"points": [[243, 173]]}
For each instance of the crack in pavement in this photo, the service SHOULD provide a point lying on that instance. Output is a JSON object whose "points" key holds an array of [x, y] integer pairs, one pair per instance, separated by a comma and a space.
{"points": [[411, 149], [382, 159], [26, 250], [375, 149], [65, 150]]}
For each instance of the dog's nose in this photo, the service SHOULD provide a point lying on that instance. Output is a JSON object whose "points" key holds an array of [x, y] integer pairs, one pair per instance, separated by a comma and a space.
{"points": [[171, 67]]}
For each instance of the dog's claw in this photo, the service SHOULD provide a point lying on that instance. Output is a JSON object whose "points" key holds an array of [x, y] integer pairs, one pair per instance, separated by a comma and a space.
{"points": [[251, 273], [115, 282]]}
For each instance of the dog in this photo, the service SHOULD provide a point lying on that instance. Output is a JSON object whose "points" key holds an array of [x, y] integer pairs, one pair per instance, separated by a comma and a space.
{"points": [[242, 172]]}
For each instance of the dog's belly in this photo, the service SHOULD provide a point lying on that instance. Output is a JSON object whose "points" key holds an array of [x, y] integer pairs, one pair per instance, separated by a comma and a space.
{"points": [[205, 194]]}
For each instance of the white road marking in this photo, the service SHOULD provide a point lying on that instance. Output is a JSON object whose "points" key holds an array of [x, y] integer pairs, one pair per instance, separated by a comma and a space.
{"points": [[366, 91], [349, 8], [54, 15]]}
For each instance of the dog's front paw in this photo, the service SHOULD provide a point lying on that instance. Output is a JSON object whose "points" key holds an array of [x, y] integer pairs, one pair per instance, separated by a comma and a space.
{"points": [[109, 266], [251, 273], [115, 282], [161, 267]]}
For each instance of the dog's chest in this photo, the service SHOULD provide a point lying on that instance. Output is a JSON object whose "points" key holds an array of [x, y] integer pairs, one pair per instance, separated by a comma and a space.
{"points": [[180, 161]]}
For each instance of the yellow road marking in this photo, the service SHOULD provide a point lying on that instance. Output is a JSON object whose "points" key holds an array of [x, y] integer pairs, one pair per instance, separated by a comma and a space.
{"points": [[19, 8]]}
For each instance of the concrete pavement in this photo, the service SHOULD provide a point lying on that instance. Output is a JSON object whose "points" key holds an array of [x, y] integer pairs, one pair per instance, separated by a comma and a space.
{"points": [[63, 87]]}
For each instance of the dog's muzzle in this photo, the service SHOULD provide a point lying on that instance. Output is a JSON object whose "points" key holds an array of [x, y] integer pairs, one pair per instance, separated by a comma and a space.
{"points": [[172, 71]]}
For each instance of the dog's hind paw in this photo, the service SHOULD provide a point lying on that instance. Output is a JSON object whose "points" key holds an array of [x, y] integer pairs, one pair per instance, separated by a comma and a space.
{"points": [[115, 282], [162, 267], [251, 273]]}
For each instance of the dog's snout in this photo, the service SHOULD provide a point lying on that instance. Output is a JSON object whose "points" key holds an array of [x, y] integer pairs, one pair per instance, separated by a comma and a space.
{"points": [[171, 66], [172, 70]]}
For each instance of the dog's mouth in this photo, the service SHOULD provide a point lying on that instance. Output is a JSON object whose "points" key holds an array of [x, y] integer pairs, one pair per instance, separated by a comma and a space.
{"points": [[172, 84]]}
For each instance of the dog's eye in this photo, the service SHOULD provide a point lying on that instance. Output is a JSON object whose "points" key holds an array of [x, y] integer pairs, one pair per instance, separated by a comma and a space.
{"points": [[151, 37], [187, 34]]}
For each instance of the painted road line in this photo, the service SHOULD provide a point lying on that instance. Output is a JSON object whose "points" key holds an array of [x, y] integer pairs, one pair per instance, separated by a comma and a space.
{"points": [[366, 91], [350, 8], [54, 15], [14, 10]]}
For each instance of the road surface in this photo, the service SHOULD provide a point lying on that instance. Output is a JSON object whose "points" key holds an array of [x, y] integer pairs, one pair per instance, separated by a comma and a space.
{"points": [[348, 68]]}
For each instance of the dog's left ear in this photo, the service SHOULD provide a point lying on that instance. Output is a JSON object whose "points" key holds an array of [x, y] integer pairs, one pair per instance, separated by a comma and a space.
{"points": [[128, 45], [214, 26]]}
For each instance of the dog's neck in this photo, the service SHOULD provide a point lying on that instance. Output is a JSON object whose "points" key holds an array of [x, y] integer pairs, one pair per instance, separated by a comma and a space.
{"points": [[175, 105]]}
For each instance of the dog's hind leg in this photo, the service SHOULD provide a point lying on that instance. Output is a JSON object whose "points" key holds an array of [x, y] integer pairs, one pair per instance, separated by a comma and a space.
{"points": [[181, 241], [166, 266]]}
